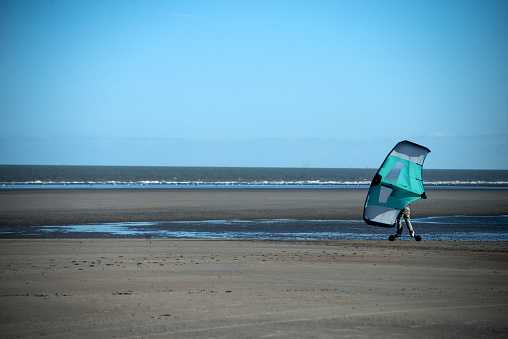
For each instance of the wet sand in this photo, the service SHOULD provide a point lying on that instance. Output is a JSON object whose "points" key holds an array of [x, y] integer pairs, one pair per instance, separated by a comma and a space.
{"points": [[64, 207], [252, 289]]}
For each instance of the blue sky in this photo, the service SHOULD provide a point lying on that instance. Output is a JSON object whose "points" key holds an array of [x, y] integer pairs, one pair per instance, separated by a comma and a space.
{"points": [[253, 83]]}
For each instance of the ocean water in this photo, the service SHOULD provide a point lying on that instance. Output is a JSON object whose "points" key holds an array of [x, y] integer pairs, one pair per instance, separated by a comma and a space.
{"points": [[96, 177], [455, 228]]}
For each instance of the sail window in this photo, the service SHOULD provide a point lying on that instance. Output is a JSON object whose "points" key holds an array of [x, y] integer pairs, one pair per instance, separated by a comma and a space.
{"points": [[394, 173], [384, 194]]}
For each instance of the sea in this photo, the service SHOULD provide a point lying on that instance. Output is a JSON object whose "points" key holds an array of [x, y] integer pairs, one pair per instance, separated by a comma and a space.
{"points": [[97, 177], [454, 228]]}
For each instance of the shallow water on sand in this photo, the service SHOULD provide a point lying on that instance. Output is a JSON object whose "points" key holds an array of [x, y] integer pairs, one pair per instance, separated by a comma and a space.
{"points": [[454, 228]]}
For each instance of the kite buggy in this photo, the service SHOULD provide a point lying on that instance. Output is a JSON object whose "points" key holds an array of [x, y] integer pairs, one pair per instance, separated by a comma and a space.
{"points": [[394, 236], [397, 184]]}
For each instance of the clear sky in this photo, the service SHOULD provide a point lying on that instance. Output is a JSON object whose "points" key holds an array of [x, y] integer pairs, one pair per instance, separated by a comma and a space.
{"points": [[253, 83]]}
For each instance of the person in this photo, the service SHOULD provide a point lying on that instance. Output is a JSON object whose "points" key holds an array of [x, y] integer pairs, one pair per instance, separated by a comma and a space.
{"points": [[404, 214]]}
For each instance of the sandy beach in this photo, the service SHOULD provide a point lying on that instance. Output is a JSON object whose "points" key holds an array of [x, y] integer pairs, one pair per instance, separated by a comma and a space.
{"points": [[64, 207], [252, 289], [159, 288]]}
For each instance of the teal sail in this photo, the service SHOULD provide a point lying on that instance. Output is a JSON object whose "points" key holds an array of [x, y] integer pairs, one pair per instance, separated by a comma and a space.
{"points": [[397, 183]]}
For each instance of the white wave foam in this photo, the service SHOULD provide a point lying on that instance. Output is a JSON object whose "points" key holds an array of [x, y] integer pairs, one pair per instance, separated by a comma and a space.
{"points": [[202, 183]]}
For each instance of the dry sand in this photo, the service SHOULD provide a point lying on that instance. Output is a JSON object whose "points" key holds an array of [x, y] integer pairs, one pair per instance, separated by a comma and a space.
{"points": [[106, 288], [64, 207]]}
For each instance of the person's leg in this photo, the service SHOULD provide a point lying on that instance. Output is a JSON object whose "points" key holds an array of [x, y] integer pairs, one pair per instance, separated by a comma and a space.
{"points": [[399, 225], [407, 216], [409, 227]]}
